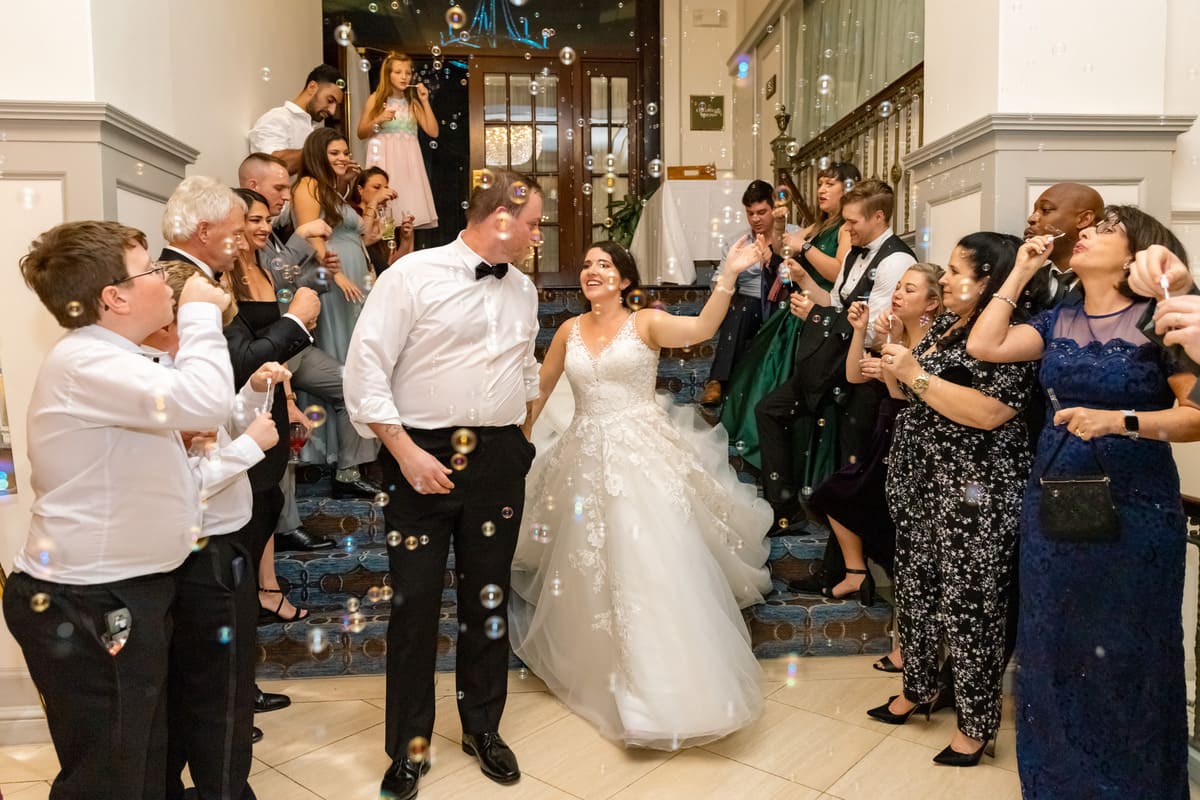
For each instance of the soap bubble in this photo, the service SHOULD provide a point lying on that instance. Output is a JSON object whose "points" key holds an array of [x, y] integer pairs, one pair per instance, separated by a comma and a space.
{"points": [[74, 308], [463, 441], [824, 84], [567, 56], [456, 17], [652, 108], [491, 596], [265, 73], [418, 749], [343, 34], [317, 642], [506, 512], [886, 108], [315, 415], [488, 529], [411, 542], [394, 538], [655, 168], [381, 499], [284, 295], [494, 627], [39, 602]]}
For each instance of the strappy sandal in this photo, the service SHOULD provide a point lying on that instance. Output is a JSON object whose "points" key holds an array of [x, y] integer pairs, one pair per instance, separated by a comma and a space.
{"points": [[886, 664], [267, 617]]}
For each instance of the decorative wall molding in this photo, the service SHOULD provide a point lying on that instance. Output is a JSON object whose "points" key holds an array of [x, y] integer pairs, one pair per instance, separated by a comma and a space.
{"points": [[80, 121], [1052, 132]]}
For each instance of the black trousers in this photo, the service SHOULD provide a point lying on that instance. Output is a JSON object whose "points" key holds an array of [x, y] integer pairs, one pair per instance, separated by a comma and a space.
{"points": [[490, 490], [106, 709], [742, 321], [777, 412], [264, 516], [210, 703]]}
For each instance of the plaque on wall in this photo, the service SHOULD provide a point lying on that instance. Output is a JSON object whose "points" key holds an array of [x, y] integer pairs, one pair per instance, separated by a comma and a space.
{"points": [[708, 112], [769, 89]]}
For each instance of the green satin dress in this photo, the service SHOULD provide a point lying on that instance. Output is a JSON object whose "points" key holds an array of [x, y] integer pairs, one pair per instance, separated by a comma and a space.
{"points": [[766, 364]]}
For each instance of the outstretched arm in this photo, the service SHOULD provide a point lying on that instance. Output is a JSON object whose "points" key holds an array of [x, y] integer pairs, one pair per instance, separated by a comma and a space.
{"points": [[660, 329], [992, 337]]}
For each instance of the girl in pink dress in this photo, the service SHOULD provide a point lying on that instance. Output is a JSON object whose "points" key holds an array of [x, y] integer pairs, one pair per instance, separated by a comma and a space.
{"points": [[390, 120]]}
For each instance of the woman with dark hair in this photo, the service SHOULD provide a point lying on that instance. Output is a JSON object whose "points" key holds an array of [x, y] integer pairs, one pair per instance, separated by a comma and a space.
{"points": [[956, 469], [395, 240], [324, 159], [631, 508], [1101, 696], [819, 249]]}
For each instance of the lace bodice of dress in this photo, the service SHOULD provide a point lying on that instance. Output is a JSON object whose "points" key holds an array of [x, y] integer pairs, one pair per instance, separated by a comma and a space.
{"points": [[618, 379], [404, 121]]}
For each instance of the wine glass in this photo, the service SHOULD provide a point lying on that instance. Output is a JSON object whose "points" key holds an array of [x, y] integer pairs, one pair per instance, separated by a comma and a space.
{"points": [[297, 436]]}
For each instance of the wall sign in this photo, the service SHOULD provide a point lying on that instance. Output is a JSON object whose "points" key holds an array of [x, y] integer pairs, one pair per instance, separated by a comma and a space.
{"points": [[708, 112]]}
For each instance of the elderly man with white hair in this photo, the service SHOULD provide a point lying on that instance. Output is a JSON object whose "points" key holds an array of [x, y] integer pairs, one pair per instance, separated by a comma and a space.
{"points": [[203, 224]]}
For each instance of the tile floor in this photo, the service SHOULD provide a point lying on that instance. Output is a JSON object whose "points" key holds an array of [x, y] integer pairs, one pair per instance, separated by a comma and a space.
{"points": [[813, 741]]}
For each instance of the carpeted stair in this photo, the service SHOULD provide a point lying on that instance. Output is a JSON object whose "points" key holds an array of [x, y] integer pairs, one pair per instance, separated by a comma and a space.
{"points": [[346, 589]]}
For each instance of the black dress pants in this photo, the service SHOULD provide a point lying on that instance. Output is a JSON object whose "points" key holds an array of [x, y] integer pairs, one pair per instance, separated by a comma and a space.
{"points": [[742, 321], [210, 702], [481, 516], [105, 703]]}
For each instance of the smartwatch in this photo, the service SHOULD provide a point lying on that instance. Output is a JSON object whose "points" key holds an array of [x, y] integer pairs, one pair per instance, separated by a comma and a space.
{"points": [[804, 248], [1131, 424]]}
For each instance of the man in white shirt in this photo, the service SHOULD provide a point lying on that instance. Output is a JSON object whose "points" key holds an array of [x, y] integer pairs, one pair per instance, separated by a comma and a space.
{"points": [[873, 267], [441, 368], [281, 131], [115, 506]]}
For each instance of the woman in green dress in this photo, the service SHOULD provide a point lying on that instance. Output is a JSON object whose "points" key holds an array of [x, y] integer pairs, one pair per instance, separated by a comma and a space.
{"points": [[820, 249]]}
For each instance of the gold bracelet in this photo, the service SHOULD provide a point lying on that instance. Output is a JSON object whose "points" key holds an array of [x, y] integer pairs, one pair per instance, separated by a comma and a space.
{"points": [[720, 288], [1008, 300], [291, 396]]}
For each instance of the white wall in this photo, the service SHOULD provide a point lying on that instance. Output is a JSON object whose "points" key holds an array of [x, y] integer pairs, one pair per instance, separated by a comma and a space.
{"points": [[694, 63], [34, 69], [961, 69]]}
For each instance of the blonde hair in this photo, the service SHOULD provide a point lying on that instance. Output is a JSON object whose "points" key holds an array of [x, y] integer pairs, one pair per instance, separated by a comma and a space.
{"points": [[384, 90], [932, 274], [176, 274]]}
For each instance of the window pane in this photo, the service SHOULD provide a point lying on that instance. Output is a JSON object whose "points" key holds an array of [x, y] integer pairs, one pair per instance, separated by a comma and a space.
{"points": [[600, 100], [520, 101], [547, 159], [549, 184], [547, 99], [599, 147], [495, 100], [495, 145], [522, 145], [548, 256], [620, 149], [620, 100]]}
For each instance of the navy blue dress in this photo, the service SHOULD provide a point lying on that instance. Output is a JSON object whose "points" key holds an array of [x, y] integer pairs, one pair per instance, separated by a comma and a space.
{"points": [[1101, 694]]}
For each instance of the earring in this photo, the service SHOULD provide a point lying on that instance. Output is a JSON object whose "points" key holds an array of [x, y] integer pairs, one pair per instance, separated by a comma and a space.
{"points": [[924, 320]]}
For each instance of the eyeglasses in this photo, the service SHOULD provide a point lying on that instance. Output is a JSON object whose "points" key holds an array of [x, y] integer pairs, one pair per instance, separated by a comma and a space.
{"points": [[1110, 225], [158, 269]]}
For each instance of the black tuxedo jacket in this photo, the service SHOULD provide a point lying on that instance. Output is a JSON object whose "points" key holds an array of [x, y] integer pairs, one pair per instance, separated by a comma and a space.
{"points": [[259, 334]]}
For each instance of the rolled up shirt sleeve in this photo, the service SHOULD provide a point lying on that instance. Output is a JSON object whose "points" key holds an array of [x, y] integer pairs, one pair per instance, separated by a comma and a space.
{"points": [[379, 337]]}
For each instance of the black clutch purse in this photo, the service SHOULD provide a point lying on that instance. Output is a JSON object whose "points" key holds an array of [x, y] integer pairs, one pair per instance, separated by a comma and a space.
{"points": [[1078, 509]]}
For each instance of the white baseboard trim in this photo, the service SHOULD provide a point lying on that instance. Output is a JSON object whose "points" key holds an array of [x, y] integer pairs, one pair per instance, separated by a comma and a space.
{"points": [[22, 720]]}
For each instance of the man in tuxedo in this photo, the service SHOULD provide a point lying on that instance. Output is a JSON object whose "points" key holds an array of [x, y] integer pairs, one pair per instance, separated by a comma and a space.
{"points": [[749, 306], [445, 342], [281, 131], [873, 267], [202, 224], [1063, 210]]}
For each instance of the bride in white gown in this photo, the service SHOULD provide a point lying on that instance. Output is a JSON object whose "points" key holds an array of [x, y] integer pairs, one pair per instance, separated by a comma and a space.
{"points": [[640, 546]]}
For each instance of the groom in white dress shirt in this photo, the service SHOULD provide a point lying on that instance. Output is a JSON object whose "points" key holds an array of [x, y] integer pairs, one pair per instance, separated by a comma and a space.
{"points": [[441, 369]]}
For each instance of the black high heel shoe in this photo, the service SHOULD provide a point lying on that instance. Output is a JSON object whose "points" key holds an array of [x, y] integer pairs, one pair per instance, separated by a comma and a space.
{"points": [[952, 758], [866, 589], [884, 712]]}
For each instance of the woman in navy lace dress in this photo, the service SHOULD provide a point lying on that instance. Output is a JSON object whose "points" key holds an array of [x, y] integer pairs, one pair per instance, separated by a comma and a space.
{"points": [[1101, 701]]}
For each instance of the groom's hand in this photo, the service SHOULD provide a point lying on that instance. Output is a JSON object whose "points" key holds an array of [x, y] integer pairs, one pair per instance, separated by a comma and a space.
{"points": [[424, 473]]}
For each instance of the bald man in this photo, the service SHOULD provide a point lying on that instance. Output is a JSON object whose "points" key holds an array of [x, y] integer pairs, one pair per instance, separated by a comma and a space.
{"points": [[1065, 208]]}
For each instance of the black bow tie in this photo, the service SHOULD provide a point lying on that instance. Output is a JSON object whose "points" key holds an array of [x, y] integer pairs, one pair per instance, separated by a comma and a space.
{"points": [[495, 270], [856, 252]]}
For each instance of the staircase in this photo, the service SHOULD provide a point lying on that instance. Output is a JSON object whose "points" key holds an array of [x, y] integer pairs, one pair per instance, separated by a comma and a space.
{"points": [[347, 589]]}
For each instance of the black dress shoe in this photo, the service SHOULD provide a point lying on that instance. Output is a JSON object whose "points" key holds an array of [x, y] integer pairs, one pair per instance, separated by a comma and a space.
{"points": [[301, 539], [255, 734], [400, 780], [495, 758], [343, 490], [269, 701]]}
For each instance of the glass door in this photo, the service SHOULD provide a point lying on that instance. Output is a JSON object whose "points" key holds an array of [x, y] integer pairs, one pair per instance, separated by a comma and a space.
{"points": [[613, 136]]}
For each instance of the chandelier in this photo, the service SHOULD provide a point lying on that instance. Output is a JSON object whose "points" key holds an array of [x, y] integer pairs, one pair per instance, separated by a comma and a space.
{"points": [[526, 145]]}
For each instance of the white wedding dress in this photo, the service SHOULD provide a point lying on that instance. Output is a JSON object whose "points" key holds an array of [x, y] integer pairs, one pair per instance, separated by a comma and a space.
{"points": [[639, 548]]}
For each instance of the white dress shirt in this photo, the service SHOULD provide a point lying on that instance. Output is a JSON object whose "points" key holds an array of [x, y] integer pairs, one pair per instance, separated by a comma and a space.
{"points": [[888, 273], [436, 348], [114, 497], [284, 127]]}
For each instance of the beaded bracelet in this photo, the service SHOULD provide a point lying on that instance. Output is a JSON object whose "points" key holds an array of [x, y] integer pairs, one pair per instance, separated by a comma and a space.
{"points": [[1008, 300]]}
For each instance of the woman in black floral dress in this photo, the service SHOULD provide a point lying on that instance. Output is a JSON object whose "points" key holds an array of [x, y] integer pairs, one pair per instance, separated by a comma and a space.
{"points": [[957, 467]]}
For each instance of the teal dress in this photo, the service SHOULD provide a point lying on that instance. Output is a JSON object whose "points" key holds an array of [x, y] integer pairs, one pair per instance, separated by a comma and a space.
{"points": [[767, 363]]}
